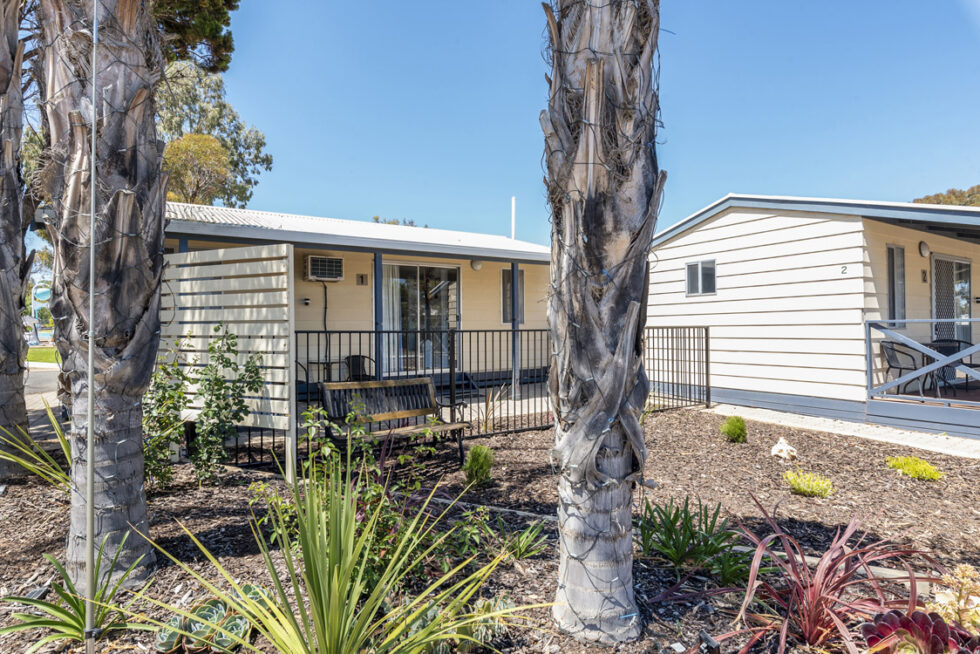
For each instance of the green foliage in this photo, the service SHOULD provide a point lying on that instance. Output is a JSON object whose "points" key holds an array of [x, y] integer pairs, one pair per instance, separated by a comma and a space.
{"points": [[968, 198], [221, 385], [193, 102], [808, 484], [163, 425], [914, 467], [197, 29], [322, 600], [479, 461], [692, 539], [734, 429], [526, 543], [24, 451], [66, 615], [199, 169]]}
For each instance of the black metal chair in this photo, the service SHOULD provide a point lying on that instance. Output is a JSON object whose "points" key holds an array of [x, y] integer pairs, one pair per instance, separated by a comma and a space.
{"points": [[949, 346], [901, 359], [359, 368]]}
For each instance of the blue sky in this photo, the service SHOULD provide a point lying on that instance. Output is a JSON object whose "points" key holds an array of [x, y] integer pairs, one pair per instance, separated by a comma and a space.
{"points": [[429, 110]]}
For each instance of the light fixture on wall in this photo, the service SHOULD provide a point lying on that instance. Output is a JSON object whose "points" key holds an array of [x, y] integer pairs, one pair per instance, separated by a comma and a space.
{"points": [[306, 301], [476, 264], [924, 249]]}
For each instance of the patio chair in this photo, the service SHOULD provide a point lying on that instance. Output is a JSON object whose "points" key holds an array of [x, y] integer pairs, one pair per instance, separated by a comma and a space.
{"points": [[359, 368], [900, 359], [952, 346]]}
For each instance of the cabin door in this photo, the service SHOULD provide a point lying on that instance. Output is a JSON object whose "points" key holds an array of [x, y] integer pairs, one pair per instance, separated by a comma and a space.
{"points": [[951, 295]]}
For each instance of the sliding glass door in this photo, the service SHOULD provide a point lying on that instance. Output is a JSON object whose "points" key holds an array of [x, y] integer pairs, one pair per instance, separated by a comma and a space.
{"points": [[420, 304]]}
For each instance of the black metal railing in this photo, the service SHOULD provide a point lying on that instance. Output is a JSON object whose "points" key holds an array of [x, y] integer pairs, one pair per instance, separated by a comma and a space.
{"points": [[677, 362], [497, 379]]}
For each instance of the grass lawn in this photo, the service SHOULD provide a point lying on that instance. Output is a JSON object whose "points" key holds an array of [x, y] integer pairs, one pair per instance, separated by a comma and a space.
{"points": [[43, 355]]}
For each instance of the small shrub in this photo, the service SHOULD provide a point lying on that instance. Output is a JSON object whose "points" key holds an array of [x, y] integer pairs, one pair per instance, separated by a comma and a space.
{"points": [[479, 461], [734, 429], [528, 542], [221, 385], [692, 538], [163, 424], [957, 599], [808, 484], [914, 467]]}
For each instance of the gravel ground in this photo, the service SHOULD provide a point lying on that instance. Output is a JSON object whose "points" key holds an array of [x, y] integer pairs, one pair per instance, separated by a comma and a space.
{"points": [[689, 458]]}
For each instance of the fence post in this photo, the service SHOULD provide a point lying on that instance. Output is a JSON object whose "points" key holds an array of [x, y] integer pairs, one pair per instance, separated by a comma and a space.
{"points": [[452, 374], [707, 366]]}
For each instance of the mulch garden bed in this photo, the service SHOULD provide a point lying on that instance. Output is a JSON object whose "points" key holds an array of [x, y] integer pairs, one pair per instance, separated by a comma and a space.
{"points": [[688, 458]]}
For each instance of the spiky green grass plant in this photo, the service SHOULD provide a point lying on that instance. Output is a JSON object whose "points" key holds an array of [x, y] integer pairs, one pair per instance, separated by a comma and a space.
{"points": [[322, 603]]}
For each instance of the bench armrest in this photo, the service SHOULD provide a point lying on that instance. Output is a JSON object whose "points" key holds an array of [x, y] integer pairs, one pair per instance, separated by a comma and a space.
{"points": [[446, 405]]}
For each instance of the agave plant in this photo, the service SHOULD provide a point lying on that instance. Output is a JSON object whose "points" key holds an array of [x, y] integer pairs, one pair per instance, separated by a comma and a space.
{"points": [[896, 632]]}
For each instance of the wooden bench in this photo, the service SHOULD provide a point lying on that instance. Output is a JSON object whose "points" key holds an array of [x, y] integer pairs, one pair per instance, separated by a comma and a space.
{"points": [[392, 400]]}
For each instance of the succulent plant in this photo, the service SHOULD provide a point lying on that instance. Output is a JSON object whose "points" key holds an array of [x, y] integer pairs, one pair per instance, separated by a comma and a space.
{"points": [[916, 633]]}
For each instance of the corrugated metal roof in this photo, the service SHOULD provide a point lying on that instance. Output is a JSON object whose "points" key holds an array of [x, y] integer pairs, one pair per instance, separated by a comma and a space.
{"points": [[204, 221], [952, 220]]}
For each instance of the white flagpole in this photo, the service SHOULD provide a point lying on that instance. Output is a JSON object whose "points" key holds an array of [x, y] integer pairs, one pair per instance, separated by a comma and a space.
{"points": [[90, 395]]}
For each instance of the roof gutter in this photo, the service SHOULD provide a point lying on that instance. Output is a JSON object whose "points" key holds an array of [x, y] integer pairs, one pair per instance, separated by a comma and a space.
{"points": [[248, 233]]}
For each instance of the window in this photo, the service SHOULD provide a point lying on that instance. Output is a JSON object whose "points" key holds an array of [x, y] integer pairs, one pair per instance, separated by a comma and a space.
{"points": [[505, 295], [896, 286], [701, 278]]}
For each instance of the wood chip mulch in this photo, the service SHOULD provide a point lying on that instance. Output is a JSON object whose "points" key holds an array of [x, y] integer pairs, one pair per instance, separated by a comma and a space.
{"points": [[688, 458]]}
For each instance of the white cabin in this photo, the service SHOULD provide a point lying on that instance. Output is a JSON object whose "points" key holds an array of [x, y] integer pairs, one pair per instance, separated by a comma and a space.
{"points": [[839, 308]]}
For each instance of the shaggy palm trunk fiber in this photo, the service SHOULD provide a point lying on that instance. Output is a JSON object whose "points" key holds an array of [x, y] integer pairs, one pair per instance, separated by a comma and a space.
{"points": [[129, 224], [14, 267], [604, 188]]}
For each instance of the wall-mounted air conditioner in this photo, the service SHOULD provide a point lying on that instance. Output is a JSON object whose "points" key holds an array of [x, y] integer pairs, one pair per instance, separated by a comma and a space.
{"points": [[324, 269]]}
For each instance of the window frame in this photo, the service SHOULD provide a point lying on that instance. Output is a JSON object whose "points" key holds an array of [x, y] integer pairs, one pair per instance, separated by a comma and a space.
{"points": [[896, 321], [700, 277], [505, 297]]}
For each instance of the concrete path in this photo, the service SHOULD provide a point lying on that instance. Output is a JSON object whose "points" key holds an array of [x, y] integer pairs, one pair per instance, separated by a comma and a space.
{"points": [[942, 443]]}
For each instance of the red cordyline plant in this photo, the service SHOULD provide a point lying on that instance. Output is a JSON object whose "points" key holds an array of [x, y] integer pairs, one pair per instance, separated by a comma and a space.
{"points": [[896, 632], [816, 604]]}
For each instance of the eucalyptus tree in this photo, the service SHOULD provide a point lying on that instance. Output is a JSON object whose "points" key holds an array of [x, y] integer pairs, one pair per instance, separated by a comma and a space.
{"points": [[15, 267], [604, 186]]}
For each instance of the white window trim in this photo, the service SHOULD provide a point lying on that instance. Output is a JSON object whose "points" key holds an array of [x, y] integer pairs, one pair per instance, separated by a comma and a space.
{"points": [[700, 263]]}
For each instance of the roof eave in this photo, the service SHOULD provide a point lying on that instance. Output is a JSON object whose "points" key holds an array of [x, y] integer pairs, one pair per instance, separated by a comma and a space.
{"points": [[225, 232]]}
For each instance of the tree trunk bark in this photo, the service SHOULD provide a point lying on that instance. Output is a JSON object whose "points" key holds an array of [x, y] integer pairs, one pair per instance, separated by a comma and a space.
{"points": [[129, 226], [604, 188], [14, 267]]}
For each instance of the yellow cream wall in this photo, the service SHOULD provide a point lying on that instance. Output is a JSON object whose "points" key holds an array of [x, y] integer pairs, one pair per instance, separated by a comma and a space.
{"points": [[918, 294], [351, 307]]}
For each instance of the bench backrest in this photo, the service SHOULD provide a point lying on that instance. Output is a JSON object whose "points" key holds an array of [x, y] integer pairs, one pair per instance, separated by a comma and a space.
{"points": [[390, 399]]}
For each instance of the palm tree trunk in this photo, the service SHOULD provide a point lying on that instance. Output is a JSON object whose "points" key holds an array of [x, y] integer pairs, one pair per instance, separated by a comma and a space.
{"points": [[14, 267], [129, 254], [604, 188]]}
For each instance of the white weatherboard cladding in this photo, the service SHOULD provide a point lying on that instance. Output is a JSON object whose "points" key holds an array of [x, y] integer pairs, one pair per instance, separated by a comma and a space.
{"points": [[788, 311]]}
